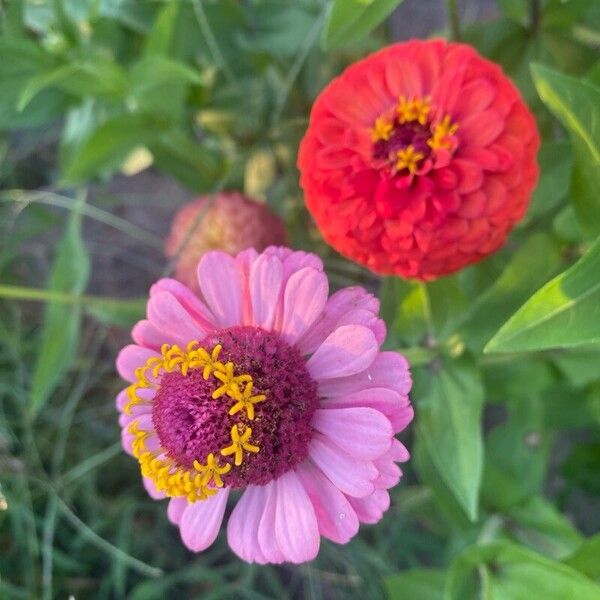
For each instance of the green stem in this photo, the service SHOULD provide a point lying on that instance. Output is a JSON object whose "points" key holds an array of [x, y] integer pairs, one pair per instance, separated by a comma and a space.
{"points": [[294, 71], [15, 292], [454, 18], [211, 41], [534, 14]]}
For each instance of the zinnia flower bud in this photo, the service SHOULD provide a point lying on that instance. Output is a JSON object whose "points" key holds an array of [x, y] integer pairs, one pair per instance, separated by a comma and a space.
{"points": [[231, 223], [419, 159]]}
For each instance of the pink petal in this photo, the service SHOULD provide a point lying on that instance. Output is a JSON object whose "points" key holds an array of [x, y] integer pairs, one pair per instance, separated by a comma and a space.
{"points": [[304, 297], [242, 529], [351, 476], [371, 508], [343, 305], [389, 402], [335, 516], [176, 509], [219, 280], [130, 358], [398, 451], [145, 334], [266, 528], [363, 433], [153, 492], [348, 350], [388, 370], [201, 521], [190, 302], [167, 314], [244, 261], [296, 528], [294, 260], [266, 277]]}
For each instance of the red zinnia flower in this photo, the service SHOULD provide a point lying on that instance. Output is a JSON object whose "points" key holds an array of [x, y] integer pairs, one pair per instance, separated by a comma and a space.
{"points": [[419, 159], [231, 223]]}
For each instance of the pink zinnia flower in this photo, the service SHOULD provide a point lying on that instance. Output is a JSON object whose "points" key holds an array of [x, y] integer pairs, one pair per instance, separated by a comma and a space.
{"points": [[265, 386], [419, 159], [228, 221]]}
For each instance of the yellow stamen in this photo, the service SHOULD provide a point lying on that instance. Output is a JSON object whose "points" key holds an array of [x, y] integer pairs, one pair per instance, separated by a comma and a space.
{"points": [[202, 480], [416, 109], [239, 443], [408, 158], [212, 470], [442, 134], [382, 130], [231, 383], [247, 401]]}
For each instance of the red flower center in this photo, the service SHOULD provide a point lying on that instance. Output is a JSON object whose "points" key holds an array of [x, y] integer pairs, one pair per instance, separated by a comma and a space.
{"points": [[409, 141]]}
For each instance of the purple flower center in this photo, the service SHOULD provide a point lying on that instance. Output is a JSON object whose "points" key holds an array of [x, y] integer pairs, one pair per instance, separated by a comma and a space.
{"points": [[404, 135], [191, 424]]}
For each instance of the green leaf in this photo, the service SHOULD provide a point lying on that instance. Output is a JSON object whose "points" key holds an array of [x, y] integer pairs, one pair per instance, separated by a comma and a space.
{"points": [[562, 314], [195, 165], [538, 524], [514, 572], [556, 164], [156, 71], [159, 38], [416, 584], [100, 77], [24, 60], [517, 10], [577, 105], [532, 265], [350, 20], [110, 143], [116, 311], [60, 330], [449, 423], [418, 312], [517, 454], [585, 558]]}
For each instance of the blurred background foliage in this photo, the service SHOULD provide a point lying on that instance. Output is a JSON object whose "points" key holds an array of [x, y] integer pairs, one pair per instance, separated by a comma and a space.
{"points": [[115, 112]]}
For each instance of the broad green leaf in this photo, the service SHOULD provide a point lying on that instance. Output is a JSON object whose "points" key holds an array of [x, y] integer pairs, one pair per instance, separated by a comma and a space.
{"points": [[579, 366], [567, 226], [532, 265], [159, 38], [563, 313], [585, 558], [350, 20], [446, 513], [195, 165], [108, 145], [556, 163], [450, 401], [516, 573], [419, 312], [517, 454], [577, 105], [156, 71], [539, 525], [416, 584], [98, 77], [24, 60], [281, 29], [59, 335]]}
